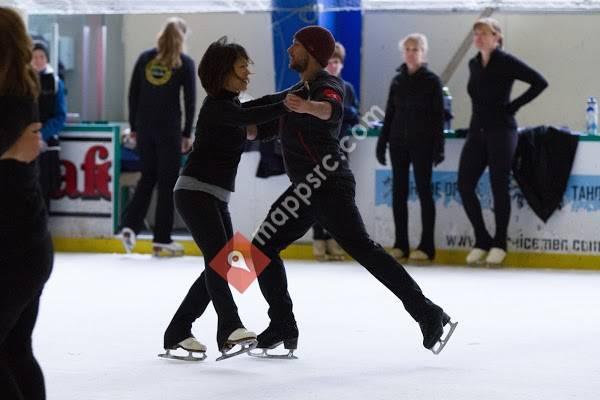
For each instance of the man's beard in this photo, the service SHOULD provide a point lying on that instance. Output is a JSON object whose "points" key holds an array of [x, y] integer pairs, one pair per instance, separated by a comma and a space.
{"points": [[299, 65]]}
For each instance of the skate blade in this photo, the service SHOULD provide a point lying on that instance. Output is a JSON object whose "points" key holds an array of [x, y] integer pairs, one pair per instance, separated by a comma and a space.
{"points": [[443, 341], [334, 258], [189, 357], [166, 253], [246, 346], [263, 353]]}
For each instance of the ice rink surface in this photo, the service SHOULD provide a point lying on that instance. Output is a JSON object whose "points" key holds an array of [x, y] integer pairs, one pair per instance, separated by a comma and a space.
{"points": [[522, 334]]}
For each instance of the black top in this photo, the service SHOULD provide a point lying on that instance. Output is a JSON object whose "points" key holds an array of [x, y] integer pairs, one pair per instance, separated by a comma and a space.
{"points": [[351, 112], [414, 114], [221, 135], [490, 87], [307, 140], [22, 208], [154, 94]]}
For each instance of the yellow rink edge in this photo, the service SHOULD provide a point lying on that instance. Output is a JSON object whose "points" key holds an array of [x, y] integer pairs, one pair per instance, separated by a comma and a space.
{"points": [[304, 252]]}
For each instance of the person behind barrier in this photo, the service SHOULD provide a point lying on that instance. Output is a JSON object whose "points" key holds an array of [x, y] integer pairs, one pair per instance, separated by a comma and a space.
{"points": [[414, 129], [53, 114], [492, 137]]}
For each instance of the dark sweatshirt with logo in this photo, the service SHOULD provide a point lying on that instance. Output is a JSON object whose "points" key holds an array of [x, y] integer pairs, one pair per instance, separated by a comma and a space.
{"points": [[154, 95]]}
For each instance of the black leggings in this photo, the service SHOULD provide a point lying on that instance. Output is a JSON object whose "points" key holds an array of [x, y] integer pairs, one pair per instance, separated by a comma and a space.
{"points": [[494, 148], [333, 206], [160, 156], [421, 159], [24, 269], [209, 222]]}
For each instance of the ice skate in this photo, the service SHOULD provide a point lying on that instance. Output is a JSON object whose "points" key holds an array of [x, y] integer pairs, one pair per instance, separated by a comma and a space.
{"points": [[433, 330], [191, 345], [476, 256], [172, 249], [271, 338], [334, 251], [319, 250], [127, 236], [419, 257], [240, 337], [396, 253], [495, 257]]}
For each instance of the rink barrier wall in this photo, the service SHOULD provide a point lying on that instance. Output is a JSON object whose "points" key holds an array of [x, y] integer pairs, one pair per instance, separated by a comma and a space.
{"points": [[304, 252]]}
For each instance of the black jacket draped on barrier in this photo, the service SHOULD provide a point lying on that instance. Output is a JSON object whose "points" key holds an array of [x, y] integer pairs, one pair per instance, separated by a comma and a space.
{"points": [[542, 167]]}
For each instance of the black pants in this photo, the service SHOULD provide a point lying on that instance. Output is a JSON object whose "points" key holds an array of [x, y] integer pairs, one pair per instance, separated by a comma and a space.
{"points": [[24, 269], [209, 222], [319, 233], [160, 156], [494, 148], [333, 206], [421, 158]]}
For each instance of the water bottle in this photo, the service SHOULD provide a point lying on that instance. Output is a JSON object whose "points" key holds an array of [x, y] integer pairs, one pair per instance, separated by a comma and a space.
{"points": [[447, 108], [591, 116]]}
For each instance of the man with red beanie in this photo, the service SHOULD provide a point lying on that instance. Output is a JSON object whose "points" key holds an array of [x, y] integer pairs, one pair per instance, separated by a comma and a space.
{"points": [[322, 190]]}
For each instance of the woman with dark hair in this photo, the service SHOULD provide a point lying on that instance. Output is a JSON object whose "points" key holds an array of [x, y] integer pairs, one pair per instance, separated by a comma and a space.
{"points": [[414, 129], [158, 78], [203, 190], [26, 254], [492, 138]]}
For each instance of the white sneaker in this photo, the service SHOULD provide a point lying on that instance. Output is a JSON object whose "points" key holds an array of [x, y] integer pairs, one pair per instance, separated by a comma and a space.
{"points": [[191, 344], [396, 253], [418, 255], [495, 256], [127, 237], [476, 256], [172, 249], [241, 335]]}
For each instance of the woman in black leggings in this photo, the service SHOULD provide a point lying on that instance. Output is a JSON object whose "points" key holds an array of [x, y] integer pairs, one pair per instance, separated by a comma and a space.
{"points": [[492, 137], [26, 253], [414, 128], [202, 191]]}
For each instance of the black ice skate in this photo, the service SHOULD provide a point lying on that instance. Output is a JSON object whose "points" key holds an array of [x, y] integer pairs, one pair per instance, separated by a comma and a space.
{"points": [[240, 337], [432, 328], [272, 337], [191, 345]]}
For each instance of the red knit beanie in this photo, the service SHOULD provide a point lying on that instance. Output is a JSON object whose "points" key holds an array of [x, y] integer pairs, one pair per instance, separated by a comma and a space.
{"points": [[318, 41]]}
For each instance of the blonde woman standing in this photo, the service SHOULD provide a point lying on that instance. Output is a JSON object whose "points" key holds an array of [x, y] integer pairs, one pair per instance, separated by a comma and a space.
{"points": [[492, 138], [414, 129], [159, 76]]}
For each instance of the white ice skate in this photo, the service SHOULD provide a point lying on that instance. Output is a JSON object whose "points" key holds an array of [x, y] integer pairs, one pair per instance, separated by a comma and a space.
{"points": [[476, 256], [127, 236], [319, 250], [172, 249], [495, 257], [334, 251], [419, 257], [192, 346], [396, 253], [439, 346], [240, 337], [266, 353]]}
